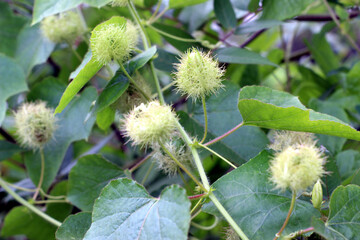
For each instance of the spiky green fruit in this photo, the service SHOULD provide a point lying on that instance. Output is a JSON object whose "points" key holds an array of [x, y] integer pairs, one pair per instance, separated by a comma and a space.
{"points": [[297, 167], [113, 41], [65, 27], [150, 123], [35, 124], [284, 139], [198, 74], [178, 149]]}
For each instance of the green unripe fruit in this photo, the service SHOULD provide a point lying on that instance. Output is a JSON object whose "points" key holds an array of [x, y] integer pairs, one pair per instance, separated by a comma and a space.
{"points": [[317, 195], [113, 41], [198, 74], [284, 139], [297, 167], [150, 123], [65, 27], [35, 124]]}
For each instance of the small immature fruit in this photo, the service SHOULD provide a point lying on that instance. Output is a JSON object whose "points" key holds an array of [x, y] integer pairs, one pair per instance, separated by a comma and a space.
{"points": [[65, 27], [297, 167], [150, 123], [35, 124], [198, 74], [119, 3], [113, 41], [317, 195], [284, 139], [165, 162]]}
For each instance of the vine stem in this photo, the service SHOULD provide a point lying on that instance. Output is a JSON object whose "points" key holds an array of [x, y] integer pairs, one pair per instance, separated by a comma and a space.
{"points": [[172, 36], [206, 183], [299, 233], [205, 119], [141, 162], [183, 167], [147, 173], [224, 135], [293, 199], [133, 81], [41, 173], [28, 205], [337, 22], [218, 155], [206, 228], [146, 44]]}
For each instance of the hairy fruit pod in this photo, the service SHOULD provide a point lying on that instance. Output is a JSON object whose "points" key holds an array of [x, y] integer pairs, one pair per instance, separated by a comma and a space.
{"points": [[65, 27], [35, 124], [198, 74], [317, 195], [150, 123]]}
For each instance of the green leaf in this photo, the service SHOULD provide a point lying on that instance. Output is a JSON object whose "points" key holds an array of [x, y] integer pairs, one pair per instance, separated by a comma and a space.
{"points": [[184, 3], [10, 26], [238, 147], [348, 162], [258, 209], [82, 65], [86, 179], [74, 227], [105, 118], [119, 83], [225, 13], [32, 48], [88, 68], [12, 81], [180, 45], [257, 25], [22, 221], [44, 8], [283, 9], [344, 217], [268, 108], [8, 149], [240, 56], [125, 209], [71, 127]]}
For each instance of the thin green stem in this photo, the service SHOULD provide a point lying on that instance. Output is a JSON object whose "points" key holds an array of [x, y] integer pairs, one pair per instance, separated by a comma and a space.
{"points": [[156, 10], [205, 119], [41, 173], [158, 16], [163, 89], [187, 186], [52, 201], [218, 155], [197, 205], [292, 204], [172, 36], [133, 81], [21, 188], [28, 205], [206, 228], [146, 43], [225, 134], [183, 167], [77, 55], [141, 162], [147, 173]]}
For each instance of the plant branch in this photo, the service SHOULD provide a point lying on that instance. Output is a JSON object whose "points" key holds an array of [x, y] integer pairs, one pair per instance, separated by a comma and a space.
{"points": [[205, 119], [299, 233], [337, 22], [172, 36], [141, 162], [252, 38], [28, 205], [206, 228], [218, 155], [224, 135], [293, 199], [147, 173], [7, 136], [41, 173], [323, 18]]}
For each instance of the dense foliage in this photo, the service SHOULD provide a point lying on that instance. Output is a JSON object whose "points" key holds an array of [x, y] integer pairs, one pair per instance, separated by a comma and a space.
{"points": [[179, 119]]}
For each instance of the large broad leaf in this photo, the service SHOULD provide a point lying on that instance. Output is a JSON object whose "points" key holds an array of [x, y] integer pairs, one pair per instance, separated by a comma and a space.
{"points": [[88, 68], [238, 147], [344, 217], [44, 8], [12, 81], [126, 211], [32, 48], [22, 221], [90, 174], [240, 56], [74, 227], [258, 25], [71, 127], [283, 9], [184, 3], [258, 209], [268, 108], [225, 13], [10, 26], [8, 149]]}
